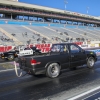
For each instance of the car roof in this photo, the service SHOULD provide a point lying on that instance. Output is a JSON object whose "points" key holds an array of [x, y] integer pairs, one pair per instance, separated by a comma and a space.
{"points": [[63, 43]]}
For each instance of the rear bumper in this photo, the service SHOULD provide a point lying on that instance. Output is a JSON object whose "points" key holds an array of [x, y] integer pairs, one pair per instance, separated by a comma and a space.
{"points": [[34, 71]]}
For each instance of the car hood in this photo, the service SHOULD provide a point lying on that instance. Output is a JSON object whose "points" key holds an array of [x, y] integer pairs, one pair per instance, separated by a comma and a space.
{"points": [[90, 52]]}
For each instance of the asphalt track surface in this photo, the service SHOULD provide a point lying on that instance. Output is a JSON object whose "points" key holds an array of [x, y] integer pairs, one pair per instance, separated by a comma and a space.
{"points": [[69, 84]]}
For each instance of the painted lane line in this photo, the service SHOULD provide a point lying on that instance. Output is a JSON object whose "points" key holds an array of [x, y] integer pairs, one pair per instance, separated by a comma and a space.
{"points": [[91, 95], [83, 94]]}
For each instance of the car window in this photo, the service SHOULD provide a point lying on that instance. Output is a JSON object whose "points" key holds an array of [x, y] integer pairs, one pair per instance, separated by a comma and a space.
{"points": [[59, 48], [74, 49], [33, 48], [55, 48], [27, 49]]}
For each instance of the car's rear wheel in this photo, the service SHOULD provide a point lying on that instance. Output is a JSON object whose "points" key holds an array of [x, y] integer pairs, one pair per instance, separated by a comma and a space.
{"points": [[53, 70], [36, 53], [90, 62], [11, 57]]}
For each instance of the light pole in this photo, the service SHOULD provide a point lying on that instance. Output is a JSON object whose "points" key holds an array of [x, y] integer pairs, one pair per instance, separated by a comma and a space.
{"points": [[87, 10], [65, 1]]}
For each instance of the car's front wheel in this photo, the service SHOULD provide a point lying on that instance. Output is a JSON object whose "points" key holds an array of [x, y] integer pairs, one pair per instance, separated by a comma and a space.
{"points": [[11, 57], [90, 62], [53, 70]]}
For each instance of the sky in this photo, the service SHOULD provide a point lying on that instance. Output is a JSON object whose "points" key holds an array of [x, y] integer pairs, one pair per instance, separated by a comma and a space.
{"points": [[79, 6]]}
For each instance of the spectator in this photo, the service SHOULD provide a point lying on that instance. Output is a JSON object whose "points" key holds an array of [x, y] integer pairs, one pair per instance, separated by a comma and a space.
{"points": [[82, 39], [56, 39], [13, 34], [33, 37], [56, 30], [3, 33], [29, 41], [71, 40], [65, 33], [12, 40], [38, 34], [52, 38], [43, 41], [23, 34], [67, 39], [2, 37], [61, 33], [38, 40]]}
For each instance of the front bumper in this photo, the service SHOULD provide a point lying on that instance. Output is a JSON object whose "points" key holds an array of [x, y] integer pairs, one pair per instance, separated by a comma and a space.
{"points": [[3, 57]]}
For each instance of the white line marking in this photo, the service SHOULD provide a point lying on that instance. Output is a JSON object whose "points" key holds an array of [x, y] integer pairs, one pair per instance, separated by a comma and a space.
{"points": [[83, 94], [91, 95]]}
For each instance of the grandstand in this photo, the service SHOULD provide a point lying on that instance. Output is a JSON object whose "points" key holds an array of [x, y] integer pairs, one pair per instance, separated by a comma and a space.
{"points": [[22, 23]]}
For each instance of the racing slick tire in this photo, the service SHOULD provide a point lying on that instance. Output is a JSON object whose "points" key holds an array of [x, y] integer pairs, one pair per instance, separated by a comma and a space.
{"points": [[10, 57], [53, 70], [90, 62]]}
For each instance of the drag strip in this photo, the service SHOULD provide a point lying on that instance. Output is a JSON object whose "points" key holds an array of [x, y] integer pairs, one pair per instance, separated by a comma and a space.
{"points": [[89, 95], [69, 84]]}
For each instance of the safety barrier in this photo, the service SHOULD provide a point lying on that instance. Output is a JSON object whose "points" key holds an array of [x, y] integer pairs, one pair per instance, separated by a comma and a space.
{"points": [[43, 47], [5, 48], [78, 43], [46, 48]]}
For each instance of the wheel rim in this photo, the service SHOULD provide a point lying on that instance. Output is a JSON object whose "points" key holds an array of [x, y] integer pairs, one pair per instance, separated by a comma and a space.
{"points": [[54, 70], [91, 62], [11, 57]]}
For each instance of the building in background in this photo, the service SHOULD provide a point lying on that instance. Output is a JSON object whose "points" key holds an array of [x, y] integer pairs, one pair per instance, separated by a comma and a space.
{"points": [[9, 0]]}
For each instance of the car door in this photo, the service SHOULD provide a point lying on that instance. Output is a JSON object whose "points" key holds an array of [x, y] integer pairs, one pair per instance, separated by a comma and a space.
{"points": [[77, 55], [61, 54], [28, 51], [64, 56]]}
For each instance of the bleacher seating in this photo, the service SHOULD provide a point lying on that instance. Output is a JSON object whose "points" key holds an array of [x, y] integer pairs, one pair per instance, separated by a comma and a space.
{"points": [[52, 32]]}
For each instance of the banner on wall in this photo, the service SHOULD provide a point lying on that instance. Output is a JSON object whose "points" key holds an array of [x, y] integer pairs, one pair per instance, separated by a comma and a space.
{"points": [[5, 48]]}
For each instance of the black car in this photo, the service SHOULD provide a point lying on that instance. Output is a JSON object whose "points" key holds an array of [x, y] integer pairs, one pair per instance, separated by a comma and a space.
{"points": [[11, 55], [61, 56]]}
